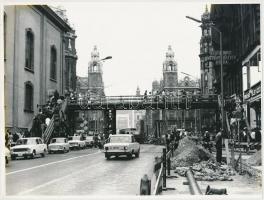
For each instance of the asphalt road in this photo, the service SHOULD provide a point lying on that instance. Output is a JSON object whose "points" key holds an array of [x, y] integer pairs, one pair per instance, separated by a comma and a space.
{"points": [[83, 172]]}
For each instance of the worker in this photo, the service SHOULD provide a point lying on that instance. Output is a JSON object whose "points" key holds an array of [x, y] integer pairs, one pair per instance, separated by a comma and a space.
{"points": [[218, 146]]}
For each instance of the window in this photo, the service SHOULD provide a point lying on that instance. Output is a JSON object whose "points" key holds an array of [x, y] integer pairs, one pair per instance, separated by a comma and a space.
{"points": [[53, 63], [28, 97], [29, 65]]}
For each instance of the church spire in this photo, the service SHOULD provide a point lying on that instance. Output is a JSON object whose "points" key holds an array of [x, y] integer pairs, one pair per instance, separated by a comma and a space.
{"points": [[206, 8]]}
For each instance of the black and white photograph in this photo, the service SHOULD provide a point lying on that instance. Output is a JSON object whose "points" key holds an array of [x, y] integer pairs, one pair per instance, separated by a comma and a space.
{"points": [[115, 98]]}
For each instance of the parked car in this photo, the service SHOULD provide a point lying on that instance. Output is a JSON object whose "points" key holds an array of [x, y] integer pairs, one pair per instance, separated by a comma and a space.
{"points": [[121, 144], [59, 145], [28, 147], [7, 156], [77, 142], [89, 141]]}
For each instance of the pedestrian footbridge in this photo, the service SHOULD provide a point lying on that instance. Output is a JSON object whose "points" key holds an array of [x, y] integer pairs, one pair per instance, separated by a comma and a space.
{"points": [[142, 102]]}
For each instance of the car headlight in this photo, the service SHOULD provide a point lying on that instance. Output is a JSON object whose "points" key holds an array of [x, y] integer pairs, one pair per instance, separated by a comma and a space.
{"points": [[28, 150], [60, 147], [125, 147]]}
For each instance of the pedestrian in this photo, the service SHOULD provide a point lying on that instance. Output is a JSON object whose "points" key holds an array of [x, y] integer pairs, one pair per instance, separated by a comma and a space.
{"points": [[206, 140], [218, 146]]}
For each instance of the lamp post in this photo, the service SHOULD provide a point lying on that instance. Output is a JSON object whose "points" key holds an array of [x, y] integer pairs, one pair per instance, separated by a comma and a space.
{"points": [[106, 58], [221, 68]]}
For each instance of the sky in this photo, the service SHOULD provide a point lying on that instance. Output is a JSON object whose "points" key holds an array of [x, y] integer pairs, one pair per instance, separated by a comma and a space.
{"points": [[137, 36]]}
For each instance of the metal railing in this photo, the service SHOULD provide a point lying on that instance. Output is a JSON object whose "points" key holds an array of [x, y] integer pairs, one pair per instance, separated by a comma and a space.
{"points": [[158, 186], [49, 130]]}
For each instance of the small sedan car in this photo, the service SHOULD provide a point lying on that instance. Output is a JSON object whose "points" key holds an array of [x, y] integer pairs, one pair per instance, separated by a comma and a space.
{"points": [[76, 143], [59, 145], [7, 156], [121, 144], [89, 141], [28, 147]]}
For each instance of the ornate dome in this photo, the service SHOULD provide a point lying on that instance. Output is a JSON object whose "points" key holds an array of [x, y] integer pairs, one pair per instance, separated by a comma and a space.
{"points": [[95, 53], [170, 64], [170, 52], [206, 14]]}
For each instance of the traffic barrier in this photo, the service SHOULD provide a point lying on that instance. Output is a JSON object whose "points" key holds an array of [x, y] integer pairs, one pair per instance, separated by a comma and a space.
{"points": [[145, 185]]}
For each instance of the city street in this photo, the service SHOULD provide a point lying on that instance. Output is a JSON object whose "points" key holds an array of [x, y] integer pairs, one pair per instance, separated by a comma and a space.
{"points": [[84, 172]]}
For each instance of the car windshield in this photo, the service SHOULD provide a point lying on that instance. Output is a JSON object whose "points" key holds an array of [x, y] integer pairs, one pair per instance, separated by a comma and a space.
{"points": [[58, 140], [26, 141], [120, 139]]}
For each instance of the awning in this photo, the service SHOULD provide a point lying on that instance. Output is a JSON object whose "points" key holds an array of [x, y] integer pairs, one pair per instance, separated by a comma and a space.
{"points": [[252, 53]]}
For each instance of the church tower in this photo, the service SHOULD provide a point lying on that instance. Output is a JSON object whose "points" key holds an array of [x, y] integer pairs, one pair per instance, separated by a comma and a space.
{"points": [[170, 72], [206, 48], [95, 74]]}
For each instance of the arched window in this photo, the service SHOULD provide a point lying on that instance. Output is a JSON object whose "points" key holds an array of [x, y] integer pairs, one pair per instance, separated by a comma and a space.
{"points": [[29, 64], [29, 95], [53, 63]]}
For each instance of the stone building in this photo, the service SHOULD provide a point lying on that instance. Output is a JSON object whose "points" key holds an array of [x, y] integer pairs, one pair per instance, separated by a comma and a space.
{"points": [[35, 60], [158, 122], [240, 27]]}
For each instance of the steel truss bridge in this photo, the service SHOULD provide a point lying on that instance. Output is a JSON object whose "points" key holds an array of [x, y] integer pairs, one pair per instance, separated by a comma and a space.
{"points": [[153, 102]]}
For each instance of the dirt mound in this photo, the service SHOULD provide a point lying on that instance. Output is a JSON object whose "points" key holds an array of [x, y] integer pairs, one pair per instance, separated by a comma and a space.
{"points": [[189, 153], [255, 159]]}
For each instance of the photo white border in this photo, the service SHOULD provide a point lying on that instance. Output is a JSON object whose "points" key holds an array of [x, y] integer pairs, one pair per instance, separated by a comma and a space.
{"points": [[2, 122]]}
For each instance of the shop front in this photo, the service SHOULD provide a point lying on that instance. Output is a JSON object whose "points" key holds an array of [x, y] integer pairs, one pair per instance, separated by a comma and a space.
{"points": [[252, 99]]}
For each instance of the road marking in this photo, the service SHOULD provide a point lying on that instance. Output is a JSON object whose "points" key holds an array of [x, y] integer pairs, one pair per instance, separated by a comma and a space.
{"points": [[55, 180], [51, 163]]}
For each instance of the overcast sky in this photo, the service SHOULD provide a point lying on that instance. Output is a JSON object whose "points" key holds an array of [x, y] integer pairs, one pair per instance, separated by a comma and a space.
{"points": [[137, 36]]}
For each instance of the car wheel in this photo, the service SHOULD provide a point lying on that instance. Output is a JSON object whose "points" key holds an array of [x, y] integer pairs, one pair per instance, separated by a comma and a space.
{"points": [[107, 156], [137, 154], [50, 152], [43, 154], [33, 154], [129, 156], [13, 157]]}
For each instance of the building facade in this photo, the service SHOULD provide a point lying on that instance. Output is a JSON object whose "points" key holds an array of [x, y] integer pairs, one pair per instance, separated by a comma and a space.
{"points": [[240, 27], [35, 55]]}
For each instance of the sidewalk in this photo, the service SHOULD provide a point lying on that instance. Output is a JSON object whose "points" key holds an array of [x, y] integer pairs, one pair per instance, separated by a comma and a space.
{"points": [[241, 185]]}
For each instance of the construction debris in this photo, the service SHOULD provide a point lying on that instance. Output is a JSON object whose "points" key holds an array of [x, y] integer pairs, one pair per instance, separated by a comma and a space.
{"points": [[189, 153], [255, 159], [209, 171], [202, 162]]}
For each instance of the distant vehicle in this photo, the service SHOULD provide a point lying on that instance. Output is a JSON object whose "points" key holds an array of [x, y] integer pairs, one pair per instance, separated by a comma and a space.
{"points": [[28, 147], [138, 136], [121, 144], [7, 156], [59, 145], [77, 142], [89, 141]]}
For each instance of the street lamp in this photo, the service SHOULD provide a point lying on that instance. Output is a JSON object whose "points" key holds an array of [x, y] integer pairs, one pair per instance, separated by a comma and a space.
{"points": [[221, 67], [106, 58]]}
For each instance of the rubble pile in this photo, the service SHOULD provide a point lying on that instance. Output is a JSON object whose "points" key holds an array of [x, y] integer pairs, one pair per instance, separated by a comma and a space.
{"points": [[208, 171], [189, 153], [255, 159]]}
